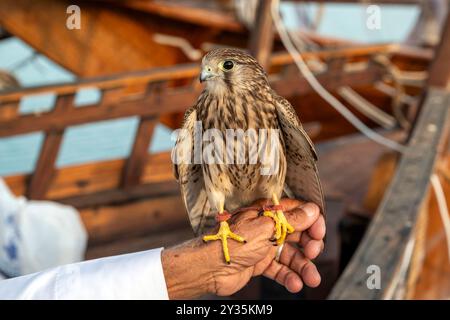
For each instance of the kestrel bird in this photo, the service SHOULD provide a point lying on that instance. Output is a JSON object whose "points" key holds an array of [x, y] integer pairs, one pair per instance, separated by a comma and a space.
{"points": [[237, 96]]}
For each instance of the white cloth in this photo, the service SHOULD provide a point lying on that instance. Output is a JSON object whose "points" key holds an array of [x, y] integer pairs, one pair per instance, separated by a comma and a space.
{"points": [[130, 276], [37, 235]]}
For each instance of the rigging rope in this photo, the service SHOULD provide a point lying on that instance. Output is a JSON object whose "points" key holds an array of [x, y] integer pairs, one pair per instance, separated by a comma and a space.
{"points": [[327, 96]]}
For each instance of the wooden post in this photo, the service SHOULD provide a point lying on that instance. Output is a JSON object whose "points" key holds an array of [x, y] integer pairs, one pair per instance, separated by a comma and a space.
{"points": [[261, 40], [45, 167], [9, 111], [439, 75], [135, 164]]}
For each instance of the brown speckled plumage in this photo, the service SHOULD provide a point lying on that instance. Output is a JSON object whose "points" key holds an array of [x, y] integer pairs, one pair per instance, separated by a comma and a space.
{"points": [[242, 99]]}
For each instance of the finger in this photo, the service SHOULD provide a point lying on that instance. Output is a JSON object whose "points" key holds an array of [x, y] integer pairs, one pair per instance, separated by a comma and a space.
{"points": [[284, 276], [303, 217], [294, 237], [310, 275], [287, 203], [311, 247], [318, 229], [296, 261], [290, 204]]}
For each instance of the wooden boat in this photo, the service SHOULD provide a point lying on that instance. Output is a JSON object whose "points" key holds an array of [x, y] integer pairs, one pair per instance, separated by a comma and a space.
{"points": [[133, 204]]}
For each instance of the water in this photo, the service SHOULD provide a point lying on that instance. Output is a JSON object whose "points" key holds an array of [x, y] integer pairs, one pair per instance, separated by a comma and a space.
{"points": [[113, 139]]}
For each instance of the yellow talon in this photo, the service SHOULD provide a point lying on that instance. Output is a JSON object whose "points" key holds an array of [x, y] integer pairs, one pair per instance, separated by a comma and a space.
{"points": [[286, 228], [282, 226], [223, 235]]}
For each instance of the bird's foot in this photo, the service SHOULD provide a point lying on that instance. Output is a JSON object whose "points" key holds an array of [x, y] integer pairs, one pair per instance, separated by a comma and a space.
{"points": [[223, 235], [282, 226]]}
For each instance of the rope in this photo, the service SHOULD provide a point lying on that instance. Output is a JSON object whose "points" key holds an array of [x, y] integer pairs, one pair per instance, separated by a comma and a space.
{"points": [[367, 108], [327, 96], [178, 42]]}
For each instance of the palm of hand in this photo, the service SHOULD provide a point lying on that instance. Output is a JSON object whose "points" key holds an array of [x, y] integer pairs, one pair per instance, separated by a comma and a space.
{"points": [[256, 257]]}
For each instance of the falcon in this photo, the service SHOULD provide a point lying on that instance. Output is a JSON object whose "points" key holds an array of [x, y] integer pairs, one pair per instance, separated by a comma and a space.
{"points": [[237, 97]]}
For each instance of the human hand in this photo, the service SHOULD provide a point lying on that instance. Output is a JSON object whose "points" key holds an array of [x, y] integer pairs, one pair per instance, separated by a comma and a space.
{"points": [[195, 268], [294, 268]]}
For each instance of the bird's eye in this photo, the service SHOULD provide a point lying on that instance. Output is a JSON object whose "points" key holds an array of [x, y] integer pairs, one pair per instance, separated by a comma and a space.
{"points": [[227, 65]]}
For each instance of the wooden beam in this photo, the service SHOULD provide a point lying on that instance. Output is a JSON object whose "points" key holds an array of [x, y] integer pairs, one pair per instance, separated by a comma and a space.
{"points": [[43, 173], [191, 70], [172, 100], [295, 84], [9, 111], [385, 242], [135, 164], [434, 280], [118, 196], [92, 49], [208, 14], [98, 182], [106, 223], [261, 39], [440, 68]]}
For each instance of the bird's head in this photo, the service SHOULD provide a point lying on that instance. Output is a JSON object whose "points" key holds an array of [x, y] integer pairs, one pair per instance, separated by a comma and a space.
{"points": [[231, 70]]}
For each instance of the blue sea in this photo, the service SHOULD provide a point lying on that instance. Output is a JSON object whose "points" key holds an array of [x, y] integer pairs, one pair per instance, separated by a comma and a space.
{"points": [[113, 139]]}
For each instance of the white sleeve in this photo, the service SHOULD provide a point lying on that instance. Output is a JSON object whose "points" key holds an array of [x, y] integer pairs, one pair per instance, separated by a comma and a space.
{"points": [[130, 276]]}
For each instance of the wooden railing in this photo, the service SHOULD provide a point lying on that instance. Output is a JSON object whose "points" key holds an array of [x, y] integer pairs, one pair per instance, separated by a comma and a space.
{"points": [[147, 95]]}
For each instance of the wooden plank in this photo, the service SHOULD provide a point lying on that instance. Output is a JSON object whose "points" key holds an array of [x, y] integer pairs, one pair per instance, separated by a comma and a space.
{"points": [[385, 242], [261, 39], [43, 173], [381, 177], [92, 49], [208, 14], [102, 179], [118, 196], [440, 68], [135, 164], [434, 280], [107, 223], [186, 71], [9, 111], [294, 84], [174, 100]]}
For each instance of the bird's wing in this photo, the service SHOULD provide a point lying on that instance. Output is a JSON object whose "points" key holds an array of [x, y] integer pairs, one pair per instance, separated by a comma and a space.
{"points": [[302, 176], [190, 176]]}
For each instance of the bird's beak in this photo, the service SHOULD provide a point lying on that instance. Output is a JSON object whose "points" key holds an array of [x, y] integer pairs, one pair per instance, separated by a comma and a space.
{"points": [[206, 74]]}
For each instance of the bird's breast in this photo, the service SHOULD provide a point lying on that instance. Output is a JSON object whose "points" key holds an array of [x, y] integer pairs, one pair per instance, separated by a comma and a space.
{"points": [[237, 112]]}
